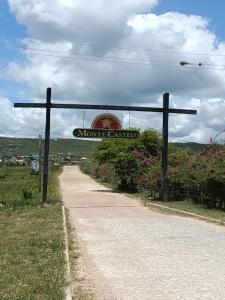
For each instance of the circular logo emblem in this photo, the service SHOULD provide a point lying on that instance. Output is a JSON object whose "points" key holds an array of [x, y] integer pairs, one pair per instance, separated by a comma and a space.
{"points": [[106, 121]]}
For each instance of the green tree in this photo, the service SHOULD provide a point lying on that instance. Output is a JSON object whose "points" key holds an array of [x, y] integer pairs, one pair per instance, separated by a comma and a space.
{"points": [[125, 155]]}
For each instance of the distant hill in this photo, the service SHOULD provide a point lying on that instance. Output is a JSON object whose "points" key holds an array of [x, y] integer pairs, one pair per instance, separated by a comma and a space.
{"points": [[192, 146], [26, 146], [23, 146]]}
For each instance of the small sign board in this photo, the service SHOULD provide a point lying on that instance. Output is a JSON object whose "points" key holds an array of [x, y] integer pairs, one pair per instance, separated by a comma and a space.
{"points": [[34, 167], [105, 133], [106, 121]]}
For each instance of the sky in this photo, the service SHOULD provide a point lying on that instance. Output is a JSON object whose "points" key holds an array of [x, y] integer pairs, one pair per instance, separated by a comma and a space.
{"points": [[125, 52]]}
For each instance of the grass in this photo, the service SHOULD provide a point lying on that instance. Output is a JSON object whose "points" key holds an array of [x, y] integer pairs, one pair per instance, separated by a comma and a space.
{"points": [[32, 257], [32, 264], [32, 240], [197, 209], [18, 188]]}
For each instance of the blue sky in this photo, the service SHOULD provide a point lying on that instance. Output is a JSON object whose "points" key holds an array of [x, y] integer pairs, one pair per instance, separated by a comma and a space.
{"points": [[214, 10], [11, 31], [9, 26], [28, 76], [211, 9]]}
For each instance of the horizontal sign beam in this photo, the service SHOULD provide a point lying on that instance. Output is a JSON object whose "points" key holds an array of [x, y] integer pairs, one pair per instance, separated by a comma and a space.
{"points": [[30, 105], [105, 133], [107, 107]]}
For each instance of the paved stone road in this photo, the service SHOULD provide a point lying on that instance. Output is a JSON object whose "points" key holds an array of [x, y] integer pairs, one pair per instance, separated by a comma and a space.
{"points": [[131, 252]]}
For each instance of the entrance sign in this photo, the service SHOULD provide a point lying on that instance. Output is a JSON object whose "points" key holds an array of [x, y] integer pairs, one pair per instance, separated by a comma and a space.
{"points": [[106, 121], [105, 133], [165, 110]]}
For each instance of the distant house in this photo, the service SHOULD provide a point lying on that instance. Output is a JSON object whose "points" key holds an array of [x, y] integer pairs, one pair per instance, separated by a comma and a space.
{"points": [[83, 158], [21, 161]]}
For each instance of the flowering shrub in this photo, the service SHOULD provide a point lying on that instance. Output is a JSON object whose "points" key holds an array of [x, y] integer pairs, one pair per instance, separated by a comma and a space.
{"points": [[125, 160], [135, 165], [203, 172]]}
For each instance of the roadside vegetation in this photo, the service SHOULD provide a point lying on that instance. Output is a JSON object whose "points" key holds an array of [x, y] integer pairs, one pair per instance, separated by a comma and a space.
{"points": [[32, 239], [196, 179], [198, 209], [32, 264]]}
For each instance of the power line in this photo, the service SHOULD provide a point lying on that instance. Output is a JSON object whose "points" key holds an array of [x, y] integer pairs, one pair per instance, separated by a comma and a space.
{"points": [[142, 50], [105, 57], [218, 134], [126, 58], [92, 55], [148, 50], [118, 60]]}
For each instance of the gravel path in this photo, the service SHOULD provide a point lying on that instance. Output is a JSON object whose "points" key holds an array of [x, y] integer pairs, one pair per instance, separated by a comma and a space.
{"points": [[131, 252]]}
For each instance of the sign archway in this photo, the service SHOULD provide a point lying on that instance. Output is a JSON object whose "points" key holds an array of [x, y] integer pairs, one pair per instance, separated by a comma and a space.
{"points": [[165, 110]]}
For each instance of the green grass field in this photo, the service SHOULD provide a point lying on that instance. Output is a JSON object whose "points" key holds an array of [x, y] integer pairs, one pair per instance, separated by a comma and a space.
{"points": [[18, 188], [32, 239]]}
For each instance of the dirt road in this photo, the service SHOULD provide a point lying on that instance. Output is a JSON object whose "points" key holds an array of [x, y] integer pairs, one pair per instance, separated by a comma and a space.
{"points": [[131, 252]]}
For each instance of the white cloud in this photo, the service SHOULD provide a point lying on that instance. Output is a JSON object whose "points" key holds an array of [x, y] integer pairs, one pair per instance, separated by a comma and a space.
{"points": [[30, 122], [83, 20], [125, 25]]}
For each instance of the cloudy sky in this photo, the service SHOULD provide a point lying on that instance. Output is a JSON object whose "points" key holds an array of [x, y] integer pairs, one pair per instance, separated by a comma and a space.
{"points": [[124, 52]]}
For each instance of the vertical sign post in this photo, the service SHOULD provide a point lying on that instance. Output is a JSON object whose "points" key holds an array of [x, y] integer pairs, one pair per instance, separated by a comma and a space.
{"points": [[164, 183], [46, 148], [40, 154]]}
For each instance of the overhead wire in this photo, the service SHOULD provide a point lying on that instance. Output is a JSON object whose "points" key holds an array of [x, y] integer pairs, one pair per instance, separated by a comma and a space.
{"points": [[100, 56], [117, 60], [140, 49], [126, 60], [148, 50], [90, 55]]}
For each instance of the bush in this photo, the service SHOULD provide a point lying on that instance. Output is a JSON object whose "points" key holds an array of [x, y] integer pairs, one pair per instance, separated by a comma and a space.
{"points": [[135, 165], [124, 160]]}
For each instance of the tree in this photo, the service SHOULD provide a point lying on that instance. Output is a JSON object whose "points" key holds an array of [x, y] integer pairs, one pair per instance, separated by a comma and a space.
{"points": [[125, 155]]}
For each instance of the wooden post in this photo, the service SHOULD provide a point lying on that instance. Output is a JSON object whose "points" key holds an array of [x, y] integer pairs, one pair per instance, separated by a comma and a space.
{"points": [[40, 168], [164, 183], [46, 148]]}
